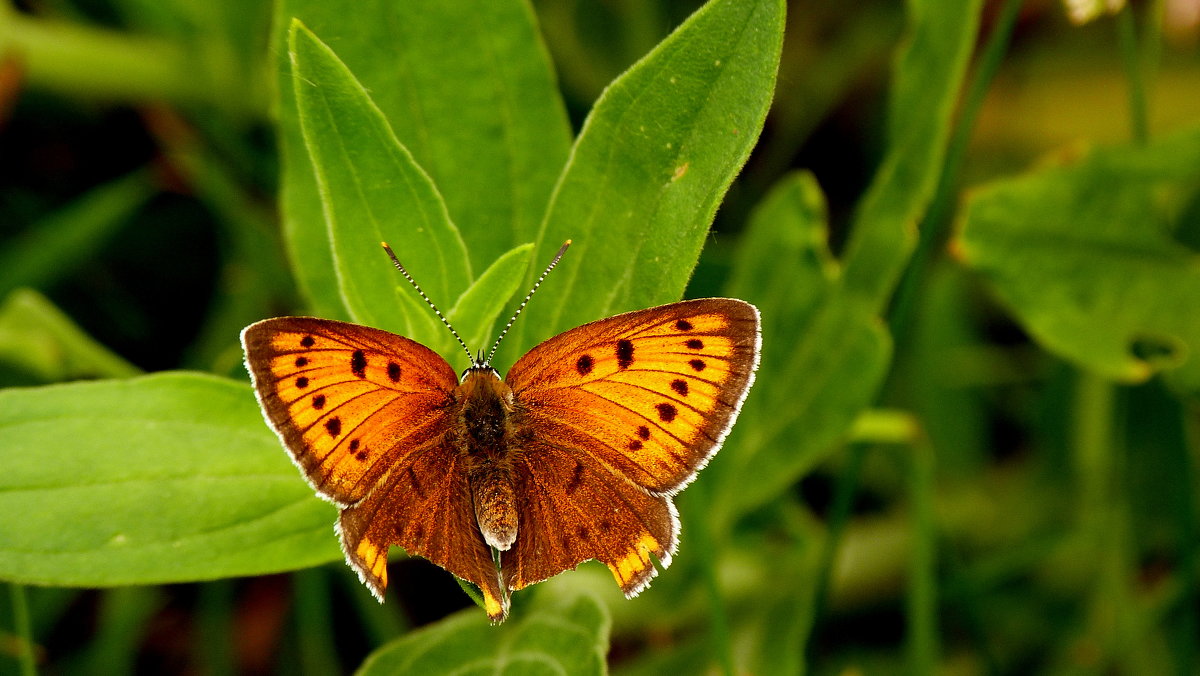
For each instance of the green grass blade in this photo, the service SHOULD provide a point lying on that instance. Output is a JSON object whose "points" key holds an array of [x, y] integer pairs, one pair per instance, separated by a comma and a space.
{"points": [[57, 244], [927, 79]]}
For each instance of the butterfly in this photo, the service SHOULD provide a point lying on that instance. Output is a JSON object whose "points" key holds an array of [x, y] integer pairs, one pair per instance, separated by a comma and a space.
{"points": [[574, 455]]}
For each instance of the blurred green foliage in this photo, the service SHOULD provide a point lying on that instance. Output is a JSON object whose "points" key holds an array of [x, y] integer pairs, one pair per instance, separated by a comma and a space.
{"points": [[971, 444]]}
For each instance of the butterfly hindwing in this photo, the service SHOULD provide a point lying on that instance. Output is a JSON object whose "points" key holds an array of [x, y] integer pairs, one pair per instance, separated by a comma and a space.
{"points": [[573, 510], [424, 506], [346, 400]]}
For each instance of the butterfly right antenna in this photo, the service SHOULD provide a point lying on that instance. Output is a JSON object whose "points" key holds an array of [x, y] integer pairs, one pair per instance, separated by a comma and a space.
{"points": [[561, 251]]}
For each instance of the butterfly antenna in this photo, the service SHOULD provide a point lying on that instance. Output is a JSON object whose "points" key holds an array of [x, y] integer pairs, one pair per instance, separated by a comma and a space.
{"points": [[436, 311], [561, 251]]}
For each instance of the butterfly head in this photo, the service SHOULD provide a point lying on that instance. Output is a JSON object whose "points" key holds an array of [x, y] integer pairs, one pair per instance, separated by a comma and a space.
{"points": [[479, 365]]}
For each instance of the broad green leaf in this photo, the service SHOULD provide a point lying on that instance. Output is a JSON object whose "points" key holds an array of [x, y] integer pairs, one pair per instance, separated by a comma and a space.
{"points": [[1083, 255], [554, 635], [61, 241], [475, 312], [164, 478], [812, 387], [927, 78], [42, 344], [653, 161], [824, 353], [468, 89], [372, 190], [305, 234]]}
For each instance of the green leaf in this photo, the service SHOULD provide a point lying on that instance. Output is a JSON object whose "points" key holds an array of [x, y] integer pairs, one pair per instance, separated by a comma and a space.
{"points": [[1083, 256], [653, 161], [44, 345], [164, 478], [824, 352], [57, 244], [372, 190], [467, 87], [925, 90], [477, 308], [554, 635]]}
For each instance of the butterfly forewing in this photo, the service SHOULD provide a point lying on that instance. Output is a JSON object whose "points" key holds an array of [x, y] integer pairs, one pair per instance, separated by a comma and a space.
{"points": [[649, 393], [346, 400]]}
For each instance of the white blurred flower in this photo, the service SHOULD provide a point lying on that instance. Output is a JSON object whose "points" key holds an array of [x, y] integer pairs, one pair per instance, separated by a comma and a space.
{"points": [[1083, 11]]}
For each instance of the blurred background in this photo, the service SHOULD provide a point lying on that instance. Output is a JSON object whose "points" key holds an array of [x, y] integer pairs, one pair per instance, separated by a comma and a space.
{"points": [[138, 223]]}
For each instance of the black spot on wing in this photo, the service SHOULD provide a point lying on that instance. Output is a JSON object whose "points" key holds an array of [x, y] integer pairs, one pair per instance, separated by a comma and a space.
{"points": [[624, 353], [358, 364]]}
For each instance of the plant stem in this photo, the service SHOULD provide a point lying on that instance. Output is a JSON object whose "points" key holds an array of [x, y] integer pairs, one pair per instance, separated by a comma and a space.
{"points": [[1127, 37], [86, 62], [722, 647], [22, 629], [922, 574], [839, 514]]}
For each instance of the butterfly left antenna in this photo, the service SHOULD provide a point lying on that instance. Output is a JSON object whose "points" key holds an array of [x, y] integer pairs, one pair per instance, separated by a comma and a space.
{"points": [[436, 311], [561, 250]]}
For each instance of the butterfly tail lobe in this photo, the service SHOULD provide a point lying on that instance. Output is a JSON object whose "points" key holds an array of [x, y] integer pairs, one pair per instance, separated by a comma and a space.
{"points": [[365, 556]]}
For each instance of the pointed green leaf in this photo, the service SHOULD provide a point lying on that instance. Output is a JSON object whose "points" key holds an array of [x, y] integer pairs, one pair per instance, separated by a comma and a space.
{"points": [[178, 480], [653, 161], [467, 87], [475, 312], [823, 352], [551, 636], [372, 190], [1083, 256]]}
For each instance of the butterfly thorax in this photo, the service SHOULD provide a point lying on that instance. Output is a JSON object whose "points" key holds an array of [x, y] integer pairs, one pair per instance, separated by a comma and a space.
{"points": [[485, 411]]}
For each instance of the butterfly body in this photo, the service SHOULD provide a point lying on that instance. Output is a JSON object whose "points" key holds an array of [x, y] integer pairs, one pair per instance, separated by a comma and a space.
{"points": [[574, 455], [490, 435]]}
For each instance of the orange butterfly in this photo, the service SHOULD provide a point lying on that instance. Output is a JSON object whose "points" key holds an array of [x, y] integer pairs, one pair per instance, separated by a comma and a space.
{"points": [[573, 456]]}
